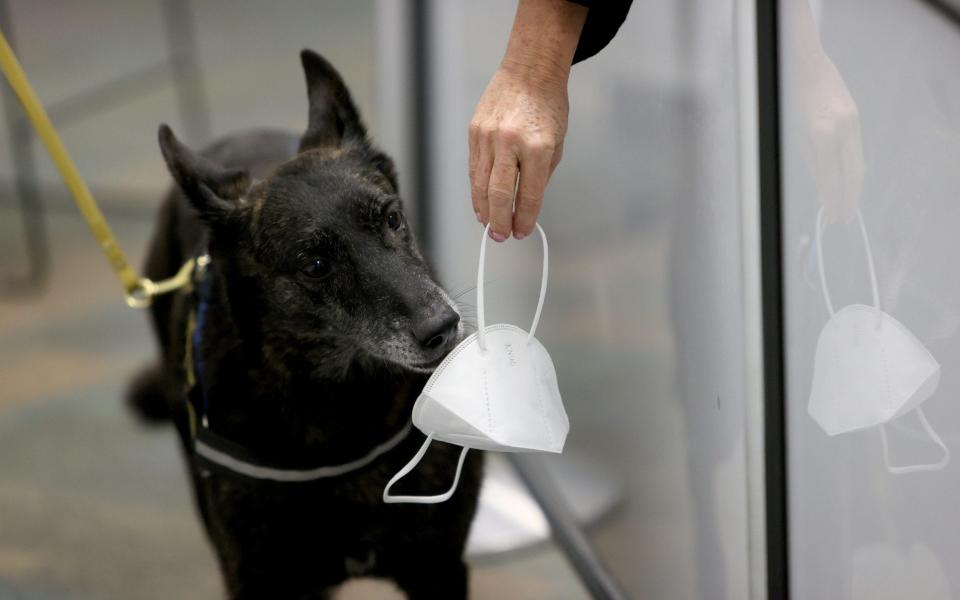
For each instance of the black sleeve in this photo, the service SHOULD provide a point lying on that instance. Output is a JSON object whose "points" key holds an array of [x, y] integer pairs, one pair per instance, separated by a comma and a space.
{"points": [[603, 21]]}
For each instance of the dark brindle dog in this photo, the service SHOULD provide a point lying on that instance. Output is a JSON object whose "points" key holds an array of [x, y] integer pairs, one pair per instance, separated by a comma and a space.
{"points": [[291, 366]]}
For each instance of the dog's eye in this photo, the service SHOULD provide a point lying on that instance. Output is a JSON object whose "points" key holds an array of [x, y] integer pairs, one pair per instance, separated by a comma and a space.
{"points": [[395, 220], [316, 269]]}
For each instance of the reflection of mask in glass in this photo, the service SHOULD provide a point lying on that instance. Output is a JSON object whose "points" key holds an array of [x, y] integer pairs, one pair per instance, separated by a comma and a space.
{"points": [[869, 368], [497, 390]]}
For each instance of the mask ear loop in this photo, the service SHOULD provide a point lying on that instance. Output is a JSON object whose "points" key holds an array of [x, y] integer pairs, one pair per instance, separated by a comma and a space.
{"points": [[481, 317], [388, 499], [823, 277], [895, 470]]}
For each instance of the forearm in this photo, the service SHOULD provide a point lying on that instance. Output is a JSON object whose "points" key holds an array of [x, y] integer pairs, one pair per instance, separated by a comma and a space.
{"points": [[544, 39], [801, 38]]}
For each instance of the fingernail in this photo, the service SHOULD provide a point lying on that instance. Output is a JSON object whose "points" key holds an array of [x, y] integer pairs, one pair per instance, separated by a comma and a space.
{"points": [[497, 237], [479, 220], [518, 236]]}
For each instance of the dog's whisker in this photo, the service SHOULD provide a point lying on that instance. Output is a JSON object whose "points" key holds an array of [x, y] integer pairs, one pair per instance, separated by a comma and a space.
{"points": [[464, 292], [459, 290], [456, 293]]}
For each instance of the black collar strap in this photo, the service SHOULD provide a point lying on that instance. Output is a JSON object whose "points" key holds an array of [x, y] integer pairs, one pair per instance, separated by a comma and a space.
{"points": [[214, 450]]}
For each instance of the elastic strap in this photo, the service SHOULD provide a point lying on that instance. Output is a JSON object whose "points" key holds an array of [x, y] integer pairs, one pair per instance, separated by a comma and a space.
{"points": [[866, 245], [895, 470], [387, 498], [481, 317]]}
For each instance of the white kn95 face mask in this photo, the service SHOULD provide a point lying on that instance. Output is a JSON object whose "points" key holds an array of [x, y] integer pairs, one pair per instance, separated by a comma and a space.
{"points": [[497, 390], [870, 369]]}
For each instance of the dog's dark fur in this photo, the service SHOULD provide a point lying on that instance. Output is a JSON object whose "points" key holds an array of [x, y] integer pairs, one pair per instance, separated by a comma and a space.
{"points": [[323, 323]]}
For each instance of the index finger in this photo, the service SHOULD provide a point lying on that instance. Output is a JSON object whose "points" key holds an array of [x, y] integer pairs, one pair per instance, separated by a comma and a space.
{"points": [[473, 139]]}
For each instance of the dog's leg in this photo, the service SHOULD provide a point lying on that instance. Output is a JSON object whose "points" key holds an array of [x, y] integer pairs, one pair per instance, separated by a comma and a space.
{"points": [[276, 587], [428, 577], [254, 568]]}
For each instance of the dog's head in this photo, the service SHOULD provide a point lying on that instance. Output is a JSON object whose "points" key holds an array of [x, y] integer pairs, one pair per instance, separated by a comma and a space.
{"points": [[318, 257]]}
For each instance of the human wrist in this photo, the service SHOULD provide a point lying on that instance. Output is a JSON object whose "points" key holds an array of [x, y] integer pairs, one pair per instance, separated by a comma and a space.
{"points": [[538, 71], [543, 41]]}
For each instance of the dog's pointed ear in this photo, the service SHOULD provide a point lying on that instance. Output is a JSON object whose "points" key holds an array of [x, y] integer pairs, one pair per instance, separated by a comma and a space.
{"points": [[333, 116], [213, 190], [385, 165]]}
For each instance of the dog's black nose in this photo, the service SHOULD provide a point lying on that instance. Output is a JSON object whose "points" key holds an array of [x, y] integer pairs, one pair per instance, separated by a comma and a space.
{"points": [[437, 329]]}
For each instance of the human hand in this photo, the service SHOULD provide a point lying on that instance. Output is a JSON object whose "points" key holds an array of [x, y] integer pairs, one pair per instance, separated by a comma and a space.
{"points": [[516, 132], [831, 121], [824, 116]]}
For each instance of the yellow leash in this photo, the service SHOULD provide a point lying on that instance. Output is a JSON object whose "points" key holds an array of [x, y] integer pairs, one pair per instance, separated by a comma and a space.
{"points": [[138, 291]]}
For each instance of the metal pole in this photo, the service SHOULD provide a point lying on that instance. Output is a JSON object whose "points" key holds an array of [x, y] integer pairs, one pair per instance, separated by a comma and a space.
{"points": [[423, 133], [26, 180], [185, 68], [566, 532], [771, 282]]}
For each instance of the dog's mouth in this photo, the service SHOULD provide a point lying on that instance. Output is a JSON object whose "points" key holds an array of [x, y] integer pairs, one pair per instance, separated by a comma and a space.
{"points": [[403, 350], [428, 367], [408, 360]]}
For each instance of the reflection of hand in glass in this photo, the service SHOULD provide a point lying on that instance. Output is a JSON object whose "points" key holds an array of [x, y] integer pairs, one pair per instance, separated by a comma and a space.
{"points": [[833, 122], [828, 118]]}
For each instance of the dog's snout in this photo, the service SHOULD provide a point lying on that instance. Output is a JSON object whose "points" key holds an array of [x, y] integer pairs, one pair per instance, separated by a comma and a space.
{"points": [[437, 329]]}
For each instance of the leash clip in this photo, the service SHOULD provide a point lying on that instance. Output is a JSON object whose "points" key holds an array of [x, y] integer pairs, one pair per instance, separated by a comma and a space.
{"points": [[142, 293]]}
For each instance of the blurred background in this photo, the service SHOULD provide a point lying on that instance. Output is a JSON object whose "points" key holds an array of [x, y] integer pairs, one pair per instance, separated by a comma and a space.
{"points": [[648, 315]]}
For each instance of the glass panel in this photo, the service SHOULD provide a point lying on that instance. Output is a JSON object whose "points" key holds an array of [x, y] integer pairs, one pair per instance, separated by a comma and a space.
{"points": [[643, 313], [871, 122]]}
